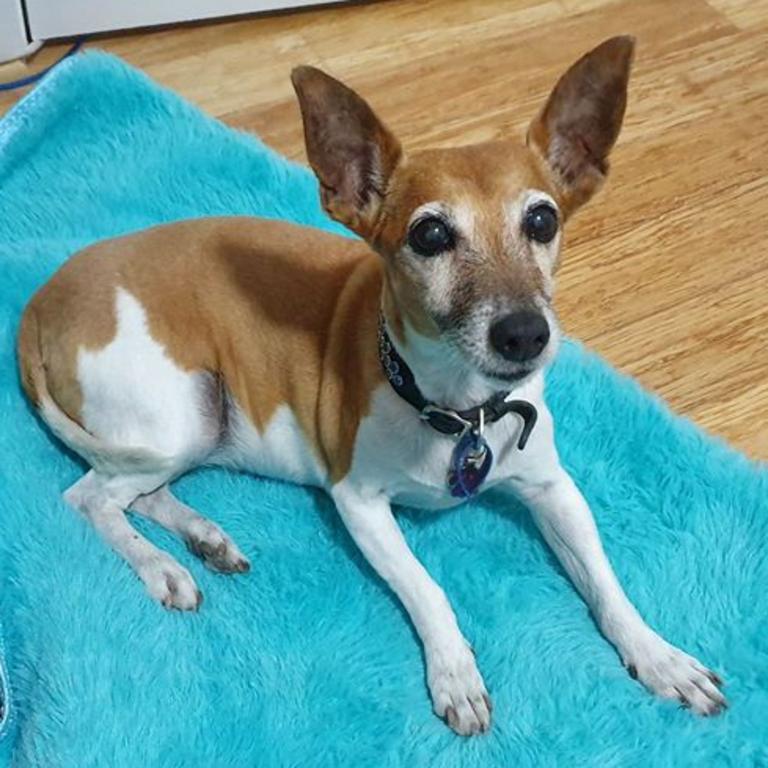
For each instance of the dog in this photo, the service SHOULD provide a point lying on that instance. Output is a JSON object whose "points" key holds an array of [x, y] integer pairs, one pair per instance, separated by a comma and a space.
{"points": [[406, 366]]}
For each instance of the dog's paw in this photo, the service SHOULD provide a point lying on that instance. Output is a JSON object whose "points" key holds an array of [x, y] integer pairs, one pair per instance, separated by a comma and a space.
{"points": [[458, 691], [215, 548], [669, 672], [169, 583]]}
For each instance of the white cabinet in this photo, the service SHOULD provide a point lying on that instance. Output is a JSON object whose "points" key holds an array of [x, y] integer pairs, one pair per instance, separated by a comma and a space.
{"points": [[15, 41], [46, 19], [60, 18]]}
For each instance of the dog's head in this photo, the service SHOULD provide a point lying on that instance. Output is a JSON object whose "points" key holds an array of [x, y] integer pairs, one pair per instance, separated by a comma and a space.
{"points": [[470, 236]]}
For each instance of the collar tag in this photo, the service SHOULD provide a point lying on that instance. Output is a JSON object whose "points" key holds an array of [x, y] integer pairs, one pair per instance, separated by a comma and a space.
{"points": [[471, 462]]}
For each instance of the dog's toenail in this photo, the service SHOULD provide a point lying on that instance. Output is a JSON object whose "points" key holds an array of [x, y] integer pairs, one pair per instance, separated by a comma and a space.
{"points": [[632, 669]]}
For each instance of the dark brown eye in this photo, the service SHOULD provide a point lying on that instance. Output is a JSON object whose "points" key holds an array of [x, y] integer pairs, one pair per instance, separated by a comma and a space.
{"points": [[541, 223], [430, 236]]}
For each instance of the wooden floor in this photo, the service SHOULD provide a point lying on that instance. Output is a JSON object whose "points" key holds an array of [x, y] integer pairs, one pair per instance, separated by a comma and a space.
{"points": [[666, 271]]}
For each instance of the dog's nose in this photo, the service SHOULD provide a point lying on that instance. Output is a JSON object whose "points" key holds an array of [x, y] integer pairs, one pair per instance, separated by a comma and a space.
{"points": [[520, 336]]}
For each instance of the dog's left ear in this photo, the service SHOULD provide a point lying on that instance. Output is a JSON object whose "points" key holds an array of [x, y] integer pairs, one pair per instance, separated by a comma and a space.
{"points": [[580, 122], [350, 150]]}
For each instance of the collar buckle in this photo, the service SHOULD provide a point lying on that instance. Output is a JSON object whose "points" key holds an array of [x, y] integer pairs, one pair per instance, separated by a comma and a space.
{"points": [[445, 420]]}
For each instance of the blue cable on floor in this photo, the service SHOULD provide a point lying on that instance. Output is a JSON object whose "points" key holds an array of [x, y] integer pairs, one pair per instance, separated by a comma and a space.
{"points": [[13, 84]]}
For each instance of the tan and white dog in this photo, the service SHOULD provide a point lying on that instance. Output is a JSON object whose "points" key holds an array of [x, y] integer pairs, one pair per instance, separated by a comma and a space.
{"points": [[254, 344]]}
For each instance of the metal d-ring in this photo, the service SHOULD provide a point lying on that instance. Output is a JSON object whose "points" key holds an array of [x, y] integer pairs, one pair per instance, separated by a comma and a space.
{"points": [[477, 455]]}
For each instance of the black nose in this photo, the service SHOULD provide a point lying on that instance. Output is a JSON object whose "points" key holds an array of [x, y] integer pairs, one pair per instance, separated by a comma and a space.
{"points": [[520, 336]]}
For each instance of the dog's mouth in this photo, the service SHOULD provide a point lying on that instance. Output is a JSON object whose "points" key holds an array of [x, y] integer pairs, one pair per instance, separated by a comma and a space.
{"points": [[509, 377], [496, 370], [505, 374], [500, 374]]}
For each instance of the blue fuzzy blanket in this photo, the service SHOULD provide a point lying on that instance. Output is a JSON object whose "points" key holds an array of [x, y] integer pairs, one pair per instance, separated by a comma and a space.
{"points": [[307, 660]]}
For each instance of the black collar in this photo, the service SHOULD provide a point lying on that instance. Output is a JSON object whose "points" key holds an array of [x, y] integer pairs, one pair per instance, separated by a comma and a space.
{"points": [[447, 420]]}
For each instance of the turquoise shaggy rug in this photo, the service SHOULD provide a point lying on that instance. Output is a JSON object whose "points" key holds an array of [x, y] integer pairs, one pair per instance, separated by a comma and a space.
{"points": [[307, 660]]}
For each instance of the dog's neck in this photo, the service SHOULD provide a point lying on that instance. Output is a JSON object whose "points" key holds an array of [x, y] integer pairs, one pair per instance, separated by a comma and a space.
{"points": [[440, 372]]}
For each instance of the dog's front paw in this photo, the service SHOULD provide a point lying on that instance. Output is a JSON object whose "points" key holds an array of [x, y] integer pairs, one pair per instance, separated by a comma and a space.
{"points": [[669, 672], [458, 691], [169, 583]]}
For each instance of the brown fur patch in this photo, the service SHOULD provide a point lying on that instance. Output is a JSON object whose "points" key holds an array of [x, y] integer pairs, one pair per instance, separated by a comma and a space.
{"points": [[284, 314], [66, 313]]}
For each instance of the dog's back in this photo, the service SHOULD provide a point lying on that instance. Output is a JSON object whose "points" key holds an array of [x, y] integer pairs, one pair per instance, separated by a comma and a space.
{"points": [[142, 341]]}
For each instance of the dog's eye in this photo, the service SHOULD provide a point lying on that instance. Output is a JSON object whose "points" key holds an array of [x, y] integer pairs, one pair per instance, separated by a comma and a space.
{"points": [[430, 236], [541, 223]]}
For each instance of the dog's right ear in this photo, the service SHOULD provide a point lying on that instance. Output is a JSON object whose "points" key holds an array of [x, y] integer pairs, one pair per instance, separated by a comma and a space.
{"points": [[350, 150]]}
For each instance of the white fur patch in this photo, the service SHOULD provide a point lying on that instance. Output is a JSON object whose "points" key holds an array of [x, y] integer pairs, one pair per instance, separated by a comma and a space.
{"points": [[135, 395], [545, 254], [281, 451], [439, 271]]}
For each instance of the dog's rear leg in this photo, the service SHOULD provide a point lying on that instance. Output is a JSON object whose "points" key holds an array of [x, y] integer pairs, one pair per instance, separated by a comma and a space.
{"points": [[103, 500], [203, 537]]}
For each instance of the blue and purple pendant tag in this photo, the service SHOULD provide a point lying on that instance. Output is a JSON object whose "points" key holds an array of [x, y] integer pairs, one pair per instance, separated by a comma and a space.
{"points": [[471, 461]]}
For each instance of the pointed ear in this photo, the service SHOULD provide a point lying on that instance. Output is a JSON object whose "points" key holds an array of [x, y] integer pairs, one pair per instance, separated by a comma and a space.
{"points": [[580, 122], [350, 150]]}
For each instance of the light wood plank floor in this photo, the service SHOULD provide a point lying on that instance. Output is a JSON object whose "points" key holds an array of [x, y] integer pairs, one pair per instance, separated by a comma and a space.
{"points": [[666, 271]]}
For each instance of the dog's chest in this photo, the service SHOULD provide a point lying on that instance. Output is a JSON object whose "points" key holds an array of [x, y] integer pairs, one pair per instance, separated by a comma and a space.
{"points": [[394, 452], [410, 461]]}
